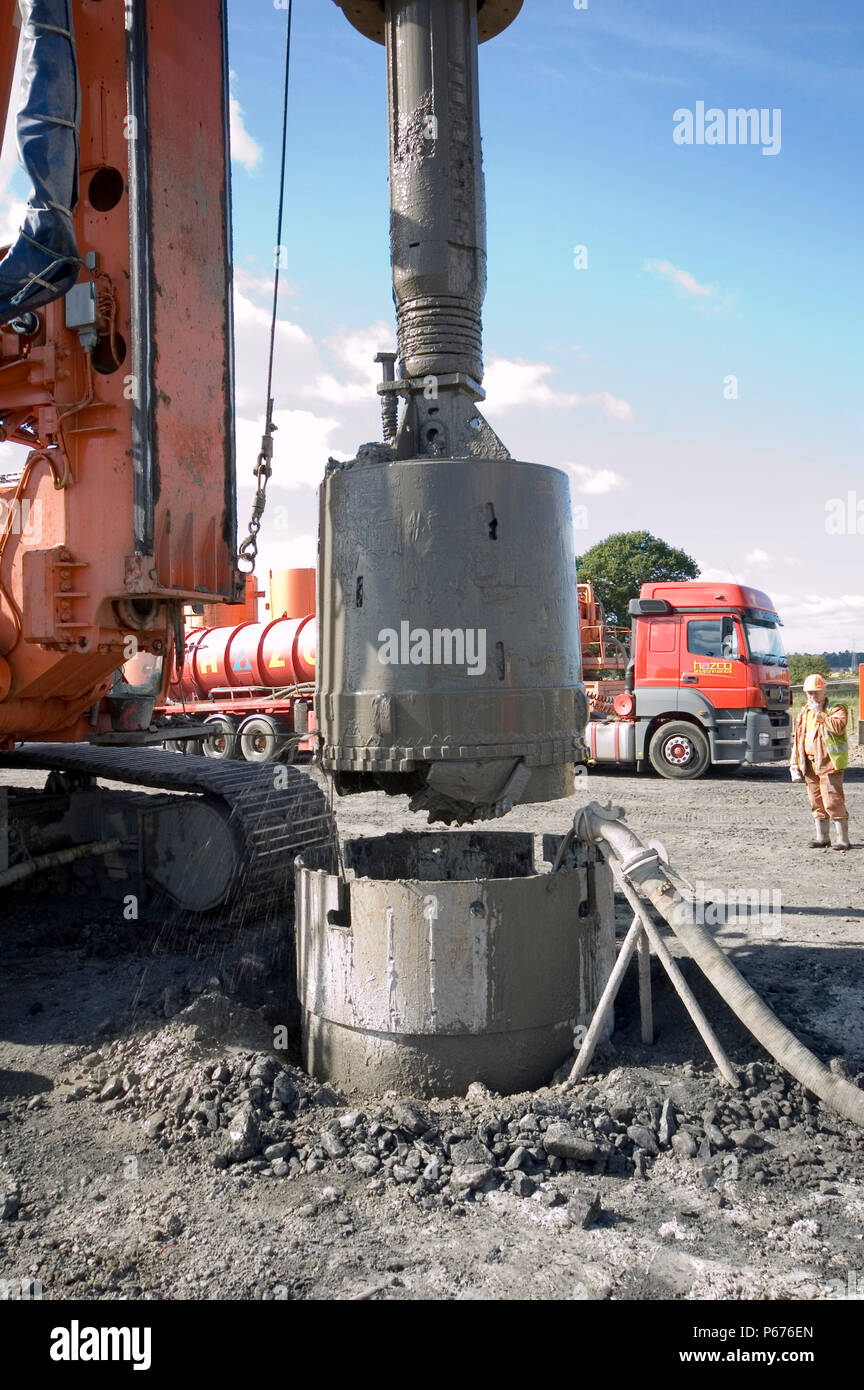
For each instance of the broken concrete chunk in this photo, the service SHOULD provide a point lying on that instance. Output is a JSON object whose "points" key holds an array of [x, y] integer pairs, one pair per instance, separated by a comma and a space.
{"points": [[471, 1176], [668, 1124], [409, 1118], [284, 1091], [243, 1137], [564, 1142], [684, 1145], [644, 1138], [469, 1151]]}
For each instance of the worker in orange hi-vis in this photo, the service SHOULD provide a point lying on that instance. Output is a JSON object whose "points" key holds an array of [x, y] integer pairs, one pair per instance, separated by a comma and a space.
{"points": [[820, 752]]}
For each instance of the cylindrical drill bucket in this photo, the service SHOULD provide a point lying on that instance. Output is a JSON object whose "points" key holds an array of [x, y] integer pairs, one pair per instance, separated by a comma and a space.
{"points": [[443, 959]]}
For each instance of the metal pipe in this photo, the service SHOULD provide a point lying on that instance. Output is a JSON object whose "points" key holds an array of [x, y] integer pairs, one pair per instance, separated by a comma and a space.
{"points": [[604, 1007], [645, 872], [389, 400], [683, 990], [56, 859], [646, 1009]]}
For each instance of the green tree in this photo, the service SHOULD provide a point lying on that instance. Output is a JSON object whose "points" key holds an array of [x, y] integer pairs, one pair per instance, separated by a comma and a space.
{"points": [[803, 664], [623, 562]]}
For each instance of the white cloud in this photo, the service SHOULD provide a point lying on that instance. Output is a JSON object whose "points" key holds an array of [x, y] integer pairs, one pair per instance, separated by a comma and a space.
{"points": [[355, 352], [296, 354], [821, 622], [12, 458], [511, 383], [682, 279], [244, 150], [594, 481], [842, 609], [612, 406], [257, 286], [758, 559], [301, 447], [294, 552], [12, 213], [304, 437], [718, 574]]}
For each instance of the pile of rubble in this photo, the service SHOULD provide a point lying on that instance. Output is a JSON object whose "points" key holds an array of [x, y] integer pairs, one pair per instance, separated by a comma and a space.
{"points": [[249, 1113]]}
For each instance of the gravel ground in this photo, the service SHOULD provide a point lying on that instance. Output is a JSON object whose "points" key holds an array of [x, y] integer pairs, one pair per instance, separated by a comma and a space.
{"points": [[155, 1144]]}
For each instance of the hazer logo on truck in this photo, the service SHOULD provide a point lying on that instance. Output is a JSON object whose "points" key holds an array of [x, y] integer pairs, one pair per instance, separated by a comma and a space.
{"points": [[713, 668], [707, 683]]}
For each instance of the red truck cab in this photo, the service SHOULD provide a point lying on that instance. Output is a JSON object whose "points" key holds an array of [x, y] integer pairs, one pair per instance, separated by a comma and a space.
{"points": [[708, 681]]}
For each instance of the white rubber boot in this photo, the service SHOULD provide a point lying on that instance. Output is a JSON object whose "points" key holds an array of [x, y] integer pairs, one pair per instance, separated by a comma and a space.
{"points": [[823, 838], [841, 834]]}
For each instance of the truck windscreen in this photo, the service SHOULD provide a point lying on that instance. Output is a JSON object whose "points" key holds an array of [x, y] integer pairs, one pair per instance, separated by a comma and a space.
{"points": [[765, 644]]}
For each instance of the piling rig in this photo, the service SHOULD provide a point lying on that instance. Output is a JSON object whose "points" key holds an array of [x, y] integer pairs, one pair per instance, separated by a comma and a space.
{"points": [[436, 538], [116, 381]]}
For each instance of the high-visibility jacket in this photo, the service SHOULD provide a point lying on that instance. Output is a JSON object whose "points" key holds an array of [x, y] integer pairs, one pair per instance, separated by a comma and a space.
{"points": [[832, 743]]}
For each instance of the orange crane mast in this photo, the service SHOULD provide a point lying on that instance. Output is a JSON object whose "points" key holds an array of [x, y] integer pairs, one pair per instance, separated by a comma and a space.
{"points": [[116, 386]]}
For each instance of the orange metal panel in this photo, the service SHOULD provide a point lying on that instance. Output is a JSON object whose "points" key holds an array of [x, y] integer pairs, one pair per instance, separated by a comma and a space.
{"points": [[182, 364], [125, 503], [8, 53], [223, 614], [292, 593]]}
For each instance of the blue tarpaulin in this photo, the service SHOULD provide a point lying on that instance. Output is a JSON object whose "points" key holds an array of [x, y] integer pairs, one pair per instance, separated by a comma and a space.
{"points": [[44, 263]]}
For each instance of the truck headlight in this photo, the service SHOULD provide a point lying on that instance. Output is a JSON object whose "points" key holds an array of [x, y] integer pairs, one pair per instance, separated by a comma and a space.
{"points": [[764, 740]]}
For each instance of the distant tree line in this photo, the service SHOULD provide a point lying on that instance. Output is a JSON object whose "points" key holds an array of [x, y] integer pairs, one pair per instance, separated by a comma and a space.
{"points": [[843, 661], [802, 664]]}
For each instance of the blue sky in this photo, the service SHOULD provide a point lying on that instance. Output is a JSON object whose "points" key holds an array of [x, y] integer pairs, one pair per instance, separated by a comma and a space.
{"points": [[704, 262], [756, 263]]}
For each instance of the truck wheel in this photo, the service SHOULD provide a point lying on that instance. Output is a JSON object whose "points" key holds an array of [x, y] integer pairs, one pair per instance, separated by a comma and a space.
{"points": [[260, 739], [222, 743], [679, 750]]}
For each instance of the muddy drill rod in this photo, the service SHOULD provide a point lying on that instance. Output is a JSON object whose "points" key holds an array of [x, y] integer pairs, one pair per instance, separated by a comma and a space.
{"points": [[437, 214], [437, 206]]}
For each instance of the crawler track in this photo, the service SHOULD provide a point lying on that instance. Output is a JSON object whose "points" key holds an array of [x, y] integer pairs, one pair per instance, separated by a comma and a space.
{"points": [[273, 812]]}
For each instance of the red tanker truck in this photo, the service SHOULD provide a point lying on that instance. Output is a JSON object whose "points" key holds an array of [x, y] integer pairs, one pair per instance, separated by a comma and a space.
{"points": [[253, 682], [705, 682]]}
